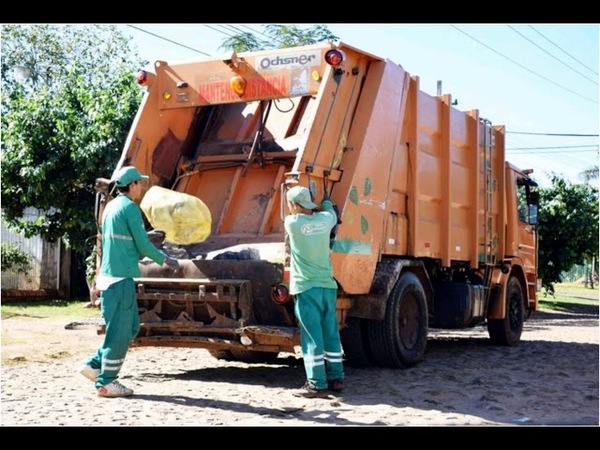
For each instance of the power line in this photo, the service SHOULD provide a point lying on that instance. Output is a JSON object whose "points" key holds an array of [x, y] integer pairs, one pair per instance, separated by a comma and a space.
{"points": [[548, 53], [552, 134], [522, 66], [168, 40], [234, 29], [551, 157], [565, 52], [257, 32], [219, 31], [556, 147]]}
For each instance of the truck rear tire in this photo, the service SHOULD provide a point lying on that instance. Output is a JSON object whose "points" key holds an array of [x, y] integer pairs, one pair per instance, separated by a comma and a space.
{"points": [[507, 331], [400, 339], [355, 343]]}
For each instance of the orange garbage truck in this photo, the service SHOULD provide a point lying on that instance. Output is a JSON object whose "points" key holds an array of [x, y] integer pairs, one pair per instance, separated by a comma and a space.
{"points": [[435, 230]]}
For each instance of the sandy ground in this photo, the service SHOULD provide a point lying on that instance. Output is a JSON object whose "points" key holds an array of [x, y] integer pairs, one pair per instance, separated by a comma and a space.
{"points": [[551, 378]]}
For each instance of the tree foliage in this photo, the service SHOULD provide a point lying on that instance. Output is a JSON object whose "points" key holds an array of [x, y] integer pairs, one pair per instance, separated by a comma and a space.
{"points": [[568, 228], [13, 258], [590, 174], [278, 36], [63, 126]]}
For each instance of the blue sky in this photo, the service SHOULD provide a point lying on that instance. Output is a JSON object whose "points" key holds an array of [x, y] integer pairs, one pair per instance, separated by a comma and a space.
{"points": [[532, 78]]}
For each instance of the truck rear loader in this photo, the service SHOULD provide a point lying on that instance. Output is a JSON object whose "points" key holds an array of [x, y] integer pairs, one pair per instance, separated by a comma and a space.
{"points": [[435, 230]]}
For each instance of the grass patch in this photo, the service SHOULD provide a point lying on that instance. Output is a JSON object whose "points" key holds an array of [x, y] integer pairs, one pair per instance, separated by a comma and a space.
{"points": [[48, 309], [575, 288], [566, 303], [569, 296]]}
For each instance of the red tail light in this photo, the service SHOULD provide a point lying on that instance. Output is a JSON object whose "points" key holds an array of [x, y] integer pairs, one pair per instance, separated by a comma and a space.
{"points": [[334, 57], [141, 77], [144, 78], [280, 294]]}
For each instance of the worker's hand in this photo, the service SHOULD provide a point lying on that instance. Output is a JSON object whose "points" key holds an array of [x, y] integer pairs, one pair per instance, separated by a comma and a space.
{"points": [[172, 263]]}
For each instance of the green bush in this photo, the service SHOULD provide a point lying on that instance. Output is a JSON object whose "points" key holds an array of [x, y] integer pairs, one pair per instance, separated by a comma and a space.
{"points": [[13, 258]]}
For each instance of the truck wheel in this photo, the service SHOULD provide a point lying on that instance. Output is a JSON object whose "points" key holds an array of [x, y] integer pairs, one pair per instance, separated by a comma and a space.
{"points": [[355, 343], [400, 339], [253, 357], [508, 331]]}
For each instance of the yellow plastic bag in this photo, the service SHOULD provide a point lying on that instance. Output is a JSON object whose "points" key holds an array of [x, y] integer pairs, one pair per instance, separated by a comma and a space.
{"points": [[185, 219]]}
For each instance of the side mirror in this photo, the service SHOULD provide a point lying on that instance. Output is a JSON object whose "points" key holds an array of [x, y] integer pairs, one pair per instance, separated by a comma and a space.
{"points": [[533, 214], [533, 198]]}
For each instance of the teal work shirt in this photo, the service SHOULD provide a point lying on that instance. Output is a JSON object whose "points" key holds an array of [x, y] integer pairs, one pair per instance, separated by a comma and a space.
{"points": [[124, 239], [310, 262]]}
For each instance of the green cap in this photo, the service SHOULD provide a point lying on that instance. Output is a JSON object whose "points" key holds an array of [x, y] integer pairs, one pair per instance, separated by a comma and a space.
{"points": [[301, 195], [127, 175]]}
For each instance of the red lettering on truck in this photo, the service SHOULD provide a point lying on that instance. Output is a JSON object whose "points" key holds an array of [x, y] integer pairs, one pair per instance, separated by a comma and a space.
{"points": [[216, 92]]}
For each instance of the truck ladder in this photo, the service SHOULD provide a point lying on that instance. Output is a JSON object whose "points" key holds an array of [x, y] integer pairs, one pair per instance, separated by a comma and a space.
{"points": [[489, 254]]}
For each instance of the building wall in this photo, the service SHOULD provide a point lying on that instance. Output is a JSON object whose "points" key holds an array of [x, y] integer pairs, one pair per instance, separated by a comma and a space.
{"points": [[45, 260]]}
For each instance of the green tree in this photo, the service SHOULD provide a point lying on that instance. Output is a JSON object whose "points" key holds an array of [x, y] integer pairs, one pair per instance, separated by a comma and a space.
{"points": [[13, 258], [278, 36], [63, 126], [568, 228], [590, 173]]}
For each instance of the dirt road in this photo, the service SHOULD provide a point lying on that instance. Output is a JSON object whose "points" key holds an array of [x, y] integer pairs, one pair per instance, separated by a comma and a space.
{"points": [[551, 378]]}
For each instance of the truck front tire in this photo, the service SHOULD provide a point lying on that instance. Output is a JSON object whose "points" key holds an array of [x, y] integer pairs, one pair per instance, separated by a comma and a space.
{"points": [[507, 331]]}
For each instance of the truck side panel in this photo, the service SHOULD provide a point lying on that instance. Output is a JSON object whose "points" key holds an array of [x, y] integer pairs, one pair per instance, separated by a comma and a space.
{"points": [[372, 145], [450, 163], [445, 174]]}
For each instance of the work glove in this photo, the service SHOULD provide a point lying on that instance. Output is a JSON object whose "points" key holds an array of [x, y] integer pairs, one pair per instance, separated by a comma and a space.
{"points": [[172, 262]]}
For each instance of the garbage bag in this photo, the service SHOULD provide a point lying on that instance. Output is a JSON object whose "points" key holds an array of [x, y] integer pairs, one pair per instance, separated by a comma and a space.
{"points": [[183, 218]]}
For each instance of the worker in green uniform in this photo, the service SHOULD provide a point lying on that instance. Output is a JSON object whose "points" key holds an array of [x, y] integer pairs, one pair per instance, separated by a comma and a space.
{"points": [[124, 241], [315, 290]]}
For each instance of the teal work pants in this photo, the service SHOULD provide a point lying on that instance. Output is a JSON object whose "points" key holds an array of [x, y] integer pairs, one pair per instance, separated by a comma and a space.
{"points": [[120, 314], [319, 336]]}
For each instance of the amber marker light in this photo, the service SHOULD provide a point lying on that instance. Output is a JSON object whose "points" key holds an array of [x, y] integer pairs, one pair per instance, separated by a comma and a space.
{"points": [[238, 85], [167, 95]]}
